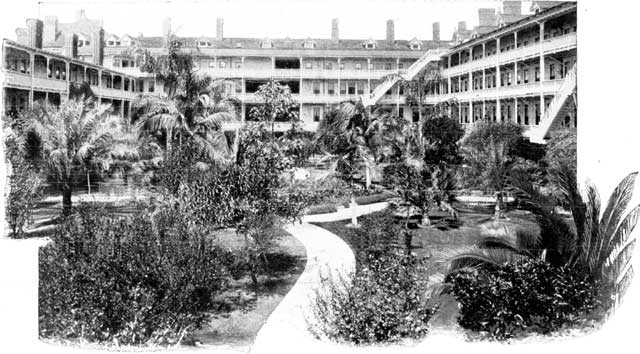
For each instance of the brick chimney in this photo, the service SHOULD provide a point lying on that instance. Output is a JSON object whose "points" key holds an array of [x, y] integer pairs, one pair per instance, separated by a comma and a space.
{"points": [[512, 7], [219, 28], [390, 31], [436, 31], [97, 46], [50, 29], [335, 34], [462, 26], [70, 48], [486, 17], [34, 33]]}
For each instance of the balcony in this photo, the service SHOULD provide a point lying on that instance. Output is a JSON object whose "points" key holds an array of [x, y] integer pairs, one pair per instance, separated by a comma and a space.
{"points": [[549, 87], [278, 126], [552, 45], [114, 93], [297, 73]]}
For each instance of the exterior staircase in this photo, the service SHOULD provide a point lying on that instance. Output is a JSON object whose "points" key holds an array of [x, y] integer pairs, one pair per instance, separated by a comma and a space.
{"points": [[408, 74], [557, 108]]}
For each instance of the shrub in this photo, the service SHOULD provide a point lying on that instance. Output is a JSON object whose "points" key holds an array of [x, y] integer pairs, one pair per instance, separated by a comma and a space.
{"points": [[25, 190], [128, 280], [384, 302], [516, 299]]}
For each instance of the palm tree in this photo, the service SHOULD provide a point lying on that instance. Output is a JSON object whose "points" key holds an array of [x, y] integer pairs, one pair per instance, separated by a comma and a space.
{"points": [[72, 139], [601, 243], [341, 135]]}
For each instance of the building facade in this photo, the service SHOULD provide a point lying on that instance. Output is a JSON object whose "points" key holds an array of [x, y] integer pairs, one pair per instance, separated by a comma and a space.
{"points": [[490, 71]]}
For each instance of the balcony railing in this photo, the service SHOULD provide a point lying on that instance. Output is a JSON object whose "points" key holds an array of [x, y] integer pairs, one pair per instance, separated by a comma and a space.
{"points": [[17, 79], [278, 126], [50, 84], [547, 46]]}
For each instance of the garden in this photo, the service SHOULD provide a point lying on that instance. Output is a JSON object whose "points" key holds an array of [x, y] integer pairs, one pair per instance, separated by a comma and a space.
{"points": [[482, 232]]}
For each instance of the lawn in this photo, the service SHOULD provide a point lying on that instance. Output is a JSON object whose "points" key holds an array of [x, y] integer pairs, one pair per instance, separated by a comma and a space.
{"points": [[238, 327], [437, 242]]}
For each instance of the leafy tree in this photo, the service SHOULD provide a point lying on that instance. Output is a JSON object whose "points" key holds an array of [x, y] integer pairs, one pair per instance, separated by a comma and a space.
{"points": [[413, 186], [441, 137], [70, 139], [277, 105]]}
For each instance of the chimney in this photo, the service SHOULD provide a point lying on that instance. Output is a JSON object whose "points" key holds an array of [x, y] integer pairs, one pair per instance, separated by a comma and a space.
{"points": [[512, 7], [34, 33], [436, 31], [70, 48], [166, 26], [486, 17], [219, 28], [462, 26], [97, 45], [50, 29], [335, 34], [80, 15], [390, 31]]}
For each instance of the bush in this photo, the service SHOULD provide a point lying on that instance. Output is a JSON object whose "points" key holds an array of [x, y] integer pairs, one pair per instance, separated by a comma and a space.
{"points": [[517, 299], [129, 280], [384, 302]]}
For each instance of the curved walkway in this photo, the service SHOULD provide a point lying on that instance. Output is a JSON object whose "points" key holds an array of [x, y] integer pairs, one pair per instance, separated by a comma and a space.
{"points": [[286, 329]]}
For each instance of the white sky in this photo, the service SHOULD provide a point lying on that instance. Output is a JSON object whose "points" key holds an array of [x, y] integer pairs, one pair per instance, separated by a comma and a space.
{"points": [[252, 18]]}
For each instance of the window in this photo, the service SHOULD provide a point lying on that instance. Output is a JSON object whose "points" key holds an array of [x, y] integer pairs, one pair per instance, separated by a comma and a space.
{"points": [[328, 66], [552, 72], [308, 44], [400, 90], [238, 86], [238, 64], [202, 44], [526, 76], [401, 66], [370, 45], [341, 66], [370, 66], [526, 114], [537, 74], [316, 88], [222, 64], [118, 43], [331, 88], [343, 88], [212, 64], [509, 79], [379, 66], [316, 114], [401, 112], [308, 65], [351, 88], [266, 44], [110, 43], [387, 66], [151, 86], [415, 46], [358, 66], [360, 88]]}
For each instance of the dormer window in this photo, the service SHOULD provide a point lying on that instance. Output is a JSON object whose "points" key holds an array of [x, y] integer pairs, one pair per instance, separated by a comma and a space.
{"points": [[309, 44], [266, 43], [370, 44], [118, 43], [110, 43]]}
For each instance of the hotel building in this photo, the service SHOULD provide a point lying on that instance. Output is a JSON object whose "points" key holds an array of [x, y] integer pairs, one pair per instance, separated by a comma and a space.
{"points": [[512, 66]]}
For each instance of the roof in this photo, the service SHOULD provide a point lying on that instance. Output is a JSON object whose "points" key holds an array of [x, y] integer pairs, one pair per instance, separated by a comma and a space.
{"points": [[559, 6], [506, 19], [288, 43], [542, 5]]}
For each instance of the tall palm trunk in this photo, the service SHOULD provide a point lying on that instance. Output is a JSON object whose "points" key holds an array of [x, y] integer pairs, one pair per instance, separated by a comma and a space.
{"points": [[67, 191], [367, 181], [236, 143]]}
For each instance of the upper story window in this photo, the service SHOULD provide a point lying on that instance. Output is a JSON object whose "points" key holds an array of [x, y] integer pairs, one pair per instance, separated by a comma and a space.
{"points": [[358, 66], [222, 64], [341, 66], [328, 65], [308, 65], [266, 43], [111, 43], [387, 66], [415, 45]]}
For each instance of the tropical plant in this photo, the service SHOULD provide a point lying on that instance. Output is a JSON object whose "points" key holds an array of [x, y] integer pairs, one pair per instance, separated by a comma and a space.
{"points": [[442, 135], [72, 139], [194, 107]]}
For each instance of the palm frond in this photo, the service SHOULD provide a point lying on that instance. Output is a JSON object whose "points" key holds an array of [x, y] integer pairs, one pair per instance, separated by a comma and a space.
{"points": [[617, 205]]}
